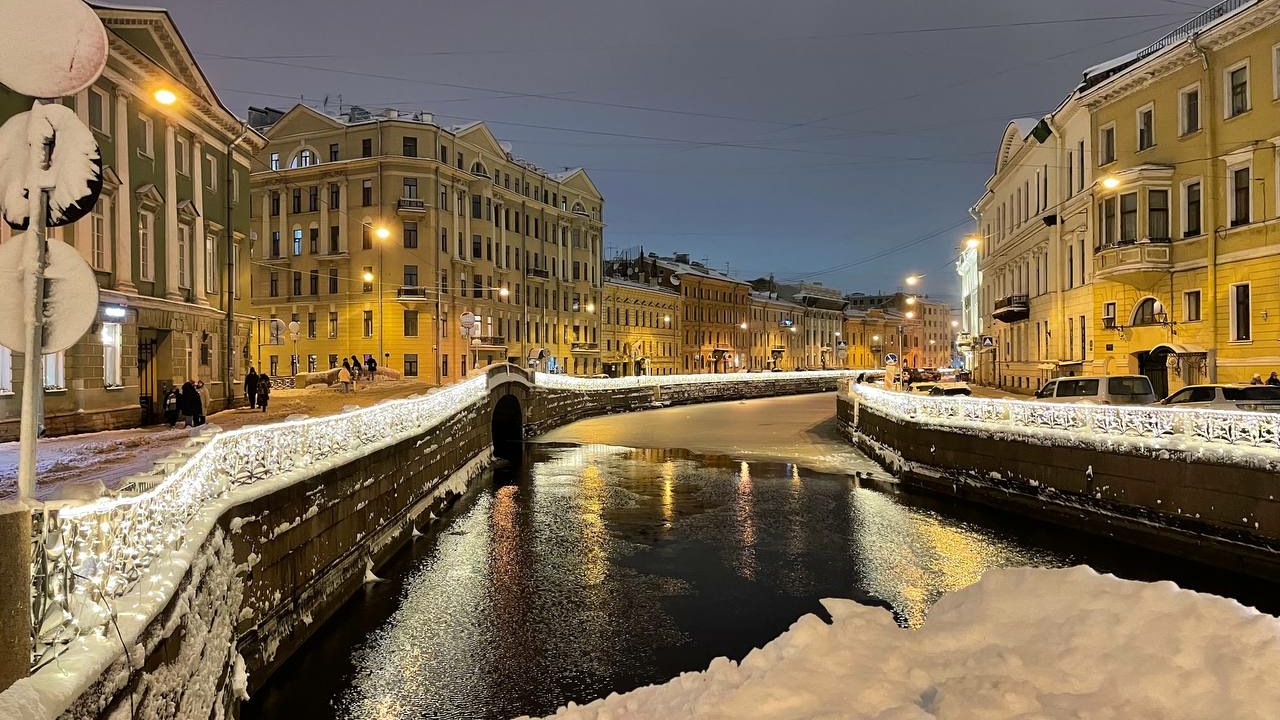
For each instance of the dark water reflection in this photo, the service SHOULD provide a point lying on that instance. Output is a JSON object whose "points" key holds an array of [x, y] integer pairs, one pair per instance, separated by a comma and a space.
{"points": [[596, 569]]}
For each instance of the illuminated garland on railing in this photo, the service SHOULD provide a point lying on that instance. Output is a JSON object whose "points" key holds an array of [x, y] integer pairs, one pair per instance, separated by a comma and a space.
{"points": [[568, 382], [1210, 428]]}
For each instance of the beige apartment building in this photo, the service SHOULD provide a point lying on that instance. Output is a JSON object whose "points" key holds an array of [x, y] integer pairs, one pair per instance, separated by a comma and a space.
{"points": [[434, 250], [640, 328], [776, 327]]}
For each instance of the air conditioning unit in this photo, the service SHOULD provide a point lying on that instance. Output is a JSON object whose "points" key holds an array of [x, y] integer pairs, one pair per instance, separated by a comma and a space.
{"points": [[1109, 322]]}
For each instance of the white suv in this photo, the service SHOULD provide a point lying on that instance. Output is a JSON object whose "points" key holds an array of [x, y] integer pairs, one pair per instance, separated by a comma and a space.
{"points": [[1099, 389], [1257, 398]]}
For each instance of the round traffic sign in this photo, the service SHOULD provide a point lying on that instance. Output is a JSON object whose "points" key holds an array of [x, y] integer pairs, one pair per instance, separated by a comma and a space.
{"points": [[467, 319], [59, 48], [70, 302], [891, 359], [75, 165]]}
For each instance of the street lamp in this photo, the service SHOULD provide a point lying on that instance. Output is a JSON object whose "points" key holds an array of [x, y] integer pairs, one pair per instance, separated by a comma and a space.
{"points": [[1111, 182], [165, 96], [972, 242], [368, 277], [913, 279], [743, 325], [955, 323], [911, 300], [591, 307], [503, 292], [666, 319]]}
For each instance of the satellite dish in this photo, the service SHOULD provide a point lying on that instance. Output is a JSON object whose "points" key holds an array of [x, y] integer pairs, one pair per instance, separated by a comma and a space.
{"points": [[59, 47], [75, 165], [71, 296]]}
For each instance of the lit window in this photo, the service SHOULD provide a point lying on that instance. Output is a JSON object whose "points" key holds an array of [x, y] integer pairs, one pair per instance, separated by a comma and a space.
{"points": [[54, 377], [111, 336]]}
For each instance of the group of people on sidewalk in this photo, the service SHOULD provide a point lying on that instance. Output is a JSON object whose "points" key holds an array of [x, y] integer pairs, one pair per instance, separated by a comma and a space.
{"points": [[350, 371], [1274, 380], [186, 403], [257, 388]]}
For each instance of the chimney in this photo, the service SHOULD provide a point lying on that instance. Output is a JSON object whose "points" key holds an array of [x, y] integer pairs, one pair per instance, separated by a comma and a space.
{"points": [[390, 114], [682, 258]]}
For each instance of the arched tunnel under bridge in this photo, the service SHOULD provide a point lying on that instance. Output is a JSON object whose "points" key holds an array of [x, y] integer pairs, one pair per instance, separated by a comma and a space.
{"points": [[507, 429]]}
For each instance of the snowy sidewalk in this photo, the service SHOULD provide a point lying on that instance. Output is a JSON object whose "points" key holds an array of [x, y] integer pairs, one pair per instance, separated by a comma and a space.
{"points": [[110, 456]]}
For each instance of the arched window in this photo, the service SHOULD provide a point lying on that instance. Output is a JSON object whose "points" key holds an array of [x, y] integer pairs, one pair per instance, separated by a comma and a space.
{"points": [[1148, 312], [305, 157], [479, 169], [579, 209]]}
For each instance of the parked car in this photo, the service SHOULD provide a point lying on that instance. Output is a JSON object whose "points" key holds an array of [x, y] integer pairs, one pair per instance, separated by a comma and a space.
{"points": [[871, 376], [1099, 389], [1258, 398], [923, 388], [950, 388]]}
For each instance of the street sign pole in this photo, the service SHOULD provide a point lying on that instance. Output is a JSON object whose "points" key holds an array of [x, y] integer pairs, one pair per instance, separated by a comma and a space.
{"points": [[33, 370]]}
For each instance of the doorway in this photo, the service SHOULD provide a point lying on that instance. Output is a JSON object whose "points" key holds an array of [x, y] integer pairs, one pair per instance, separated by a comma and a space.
{"points": [[1155, 365]]}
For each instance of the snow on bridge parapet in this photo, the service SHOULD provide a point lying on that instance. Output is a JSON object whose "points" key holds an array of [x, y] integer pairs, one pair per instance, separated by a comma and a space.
{"points": [[1245, 439]]}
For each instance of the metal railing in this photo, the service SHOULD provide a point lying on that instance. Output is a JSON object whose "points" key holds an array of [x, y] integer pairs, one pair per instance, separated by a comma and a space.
{"points": [[1193, 26]]}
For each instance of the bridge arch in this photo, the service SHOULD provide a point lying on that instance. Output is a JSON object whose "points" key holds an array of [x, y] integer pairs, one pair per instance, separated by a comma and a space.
{"points": [[507, 428]]}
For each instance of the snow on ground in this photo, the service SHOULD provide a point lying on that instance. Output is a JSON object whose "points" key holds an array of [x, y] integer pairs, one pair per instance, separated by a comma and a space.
{"points": [[1022, 643], [111, 456]]}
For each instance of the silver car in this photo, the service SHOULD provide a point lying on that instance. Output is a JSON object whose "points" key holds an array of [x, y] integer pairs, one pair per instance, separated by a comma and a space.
{"points": [[1256, 398], [1099, 389]]}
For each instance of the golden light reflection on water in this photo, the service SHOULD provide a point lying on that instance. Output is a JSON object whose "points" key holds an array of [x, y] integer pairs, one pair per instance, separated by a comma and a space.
{"points": [[595, 553], [668, 491], [744, 511]]}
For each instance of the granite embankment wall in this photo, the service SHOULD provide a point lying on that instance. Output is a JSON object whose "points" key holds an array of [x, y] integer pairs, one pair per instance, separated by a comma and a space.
{"points": [[282, 558], [1205, 504]]}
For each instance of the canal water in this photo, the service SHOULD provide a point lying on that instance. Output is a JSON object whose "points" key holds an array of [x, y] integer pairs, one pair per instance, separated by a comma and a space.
{"points": [[593, 569]]}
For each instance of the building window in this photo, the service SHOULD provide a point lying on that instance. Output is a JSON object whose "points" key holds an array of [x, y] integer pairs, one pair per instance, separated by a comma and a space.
{"points": [[1189, 110], [334, 232], [444, 240], [366, 276], [211, 264], [409, 147], [297, 241], [1237, 90], [1128, 217], [311, 328], [275, 161], [112, 339], [411, 234], [296, 200], [275, 243], [146, 248], [1146, 127], [1191, 306], [275, 203], [54, 372], [98, 235], [1158, 214], [297, 283], [1241, 184], [1275, 71], [99, 109], [335, 196], [333, 325], [1241, 331], [1145, 312], [273, 287], [313, 283], [411, 365], [411, 275], [366, 236], [368, 323], [366, 193], [1107, 145], [444, 359], [1191, 204], [333, 281], [211, 177], [410, 188], [304, 158], [333, 152], [313, 240], [181, 155], [274, 362], [366, 147], [1107, 224], [411, 323], [6, 370], [313, 198]]}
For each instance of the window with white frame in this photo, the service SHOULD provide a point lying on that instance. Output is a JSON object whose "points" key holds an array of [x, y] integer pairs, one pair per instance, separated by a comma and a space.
{"points": [[146, 248], [54, 373], [98, 227], [1189, 110], [99, 106], [1239, 194], [1235, 89], [1107, 144], [1275, 71], [211, 176], [184, 256], [235, 187], [211, 264], [235, 269], [146, 136], [1240, 307], [275, 162], [112, 339], [1191, 306], [181, 155], [1158, 214], [6, 370], [1192, 212], [1146, 123]]}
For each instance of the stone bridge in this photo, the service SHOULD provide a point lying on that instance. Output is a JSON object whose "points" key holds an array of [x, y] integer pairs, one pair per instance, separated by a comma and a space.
{"points": [[227, 565]]}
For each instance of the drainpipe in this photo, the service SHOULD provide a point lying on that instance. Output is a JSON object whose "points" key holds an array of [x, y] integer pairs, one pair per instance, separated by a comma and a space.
{"points": [[228, 376], [1210, 191], [1056, 352]]}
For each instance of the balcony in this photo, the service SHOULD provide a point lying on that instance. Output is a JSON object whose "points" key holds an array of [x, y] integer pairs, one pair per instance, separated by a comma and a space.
{"points": [[585, 347], [1012, 309], [1139, 264], [492, 342], [413, 293], [537, 273], [411, 206]]}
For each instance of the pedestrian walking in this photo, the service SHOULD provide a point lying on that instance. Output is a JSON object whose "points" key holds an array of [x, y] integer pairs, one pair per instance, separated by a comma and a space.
{"points": [[172, 399], [344, 376], [264, 390], [251, 387], [1256, 379], [355, 368], [1274, 379], [190, 405], [372, 366], [204, 401]]}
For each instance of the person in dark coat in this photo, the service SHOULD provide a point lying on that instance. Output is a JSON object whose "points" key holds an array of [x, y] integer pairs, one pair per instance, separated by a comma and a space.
{"points": [[1274, 379], [355, 368], [172, 401], [372, 366], [190, 404], [264, 390], [251, 387]]}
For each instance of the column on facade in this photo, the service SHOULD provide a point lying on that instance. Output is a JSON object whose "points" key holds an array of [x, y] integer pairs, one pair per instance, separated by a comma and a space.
{"points": [[282, 226], [171, 290], [199, 287], [324, 218], [343, 232], [122, 264], [265, 241]]}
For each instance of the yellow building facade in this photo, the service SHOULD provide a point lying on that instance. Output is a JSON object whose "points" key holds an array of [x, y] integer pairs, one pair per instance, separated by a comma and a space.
{"points": [[1187, 267], [640, 329], [433, 250]]}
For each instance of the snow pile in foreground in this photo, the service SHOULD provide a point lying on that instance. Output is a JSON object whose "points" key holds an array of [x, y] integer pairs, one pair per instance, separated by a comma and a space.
{"points": [[1022, 643]]}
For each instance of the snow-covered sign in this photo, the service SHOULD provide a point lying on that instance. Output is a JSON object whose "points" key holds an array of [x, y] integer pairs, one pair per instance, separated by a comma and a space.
{"points": [[275, 332], [50, 48], [74, 177], [71, 296], [467, 319]]}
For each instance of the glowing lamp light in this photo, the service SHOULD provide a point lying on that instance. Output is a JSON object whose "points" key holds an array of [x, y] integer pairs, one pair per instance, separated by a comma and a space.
{"points": [[911, 301], [115, 312], [382, 233], [875, 338], [913, 279], [1111, 182], [666, 318], [368, 277], [165, 96], [503, 292], [972, 242], [955, 323], [591, 307], [743, 325], [793, 329], [910, 314]]}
